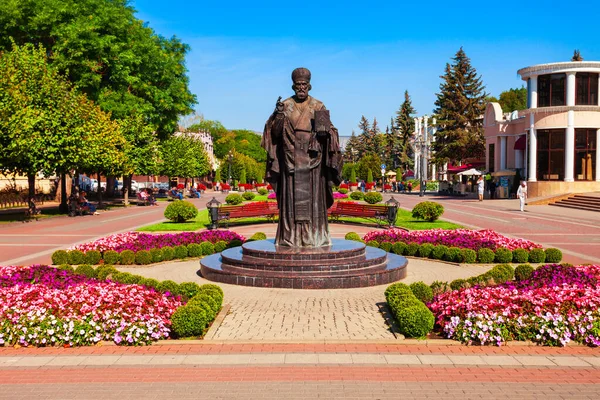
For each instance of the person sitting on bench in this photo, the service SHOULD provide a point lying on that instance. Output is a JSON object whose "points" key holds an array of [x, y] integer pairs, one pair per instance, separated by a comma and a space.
{"points": [[86, 205], [194, 193], [150, 197], [175, 193]]}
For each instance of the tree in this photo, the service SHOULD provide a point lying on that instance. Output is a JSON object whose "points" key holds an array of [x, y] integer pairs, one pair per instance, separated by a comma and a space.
{"points": [[218, 175], [406, 128], [460, 106], [183, 156], [351, 150], [243, 176], [369, 175], [369, 161], [353, 174], [513, 100]]}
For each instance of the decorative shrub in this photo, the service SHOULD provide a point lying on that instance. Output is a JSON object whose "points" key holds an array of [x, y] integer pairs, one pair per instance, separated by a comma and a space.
{"points": [[149, 282], [189, 321], [262, 191], [485, 256], [189, 289], [386, 246], [248, 196], [352, 236], [75, 257], [60, 257], [469, 256], [537, 256], [553, 255], [503, 256], [258, 236], [373, 243], [66, 267], [194, 250], [428, 210], [399, 248], [143, 257], [207, 248], [87, 270], [181, 211], [104, 271], [373, 197], [181, 252], [127, 257], [126, 278], [396, 289], [233, 199], [458, 284], [168, 286], [415, 321], [110, 257], [357, 195], [501, 273], [520, 256], [422, 291], [439, 252], [343, 190], [206, 298], [425, 250], [220, 246], [439, 287], [200, 302], [234, 243], [523, 272], [168, 253], [411, 249], [453, 254], [212, 288], [93, 257]]}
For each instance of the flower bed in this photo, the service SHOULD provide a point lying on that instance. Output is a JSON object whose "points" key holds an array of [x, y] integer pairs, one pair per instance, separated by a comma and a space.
{"points": [[338, 195]]}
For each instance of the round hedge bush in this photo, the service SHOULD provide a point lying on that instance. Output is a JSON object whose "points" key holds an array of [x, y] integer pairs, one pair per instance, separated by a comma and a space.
{"points": [[403, 301], [439, 287], [104, 271], [149, 282], [189, 321], [523, 272], [258, 236], [110, 257], [357, 195], [343, 191], [485, 256], [220, 246], [503, 255], [75, 257], [66, 267], [126, 278], [352, 236], [457, 284], [262, 191], [194, 250], [386, 246], [439, 252], [201, 302], [168, 286], [469, 256], [453, 254], [93, 257], [425, 250], [399, 248], [422, 291], [428, 210], [143, 257], [209, 298], [395, 289], [235, 243], [537, 256], [415, 321], [520, 256], [212, 288], [373, 243], [234, 199], [87, 270], [60, 257], [373, 197], [189, 289], [501, 273], [553, 255], [167, 253], [181, 211], [248, 196], [181, 252], [207, 248], [411, 249], [127, 257]]}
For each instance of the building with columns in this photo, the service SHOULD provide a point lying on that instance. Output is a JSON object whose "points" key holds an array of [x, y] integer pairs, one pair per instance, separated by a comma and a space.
{"points": [[422, 140], [553, 143]]}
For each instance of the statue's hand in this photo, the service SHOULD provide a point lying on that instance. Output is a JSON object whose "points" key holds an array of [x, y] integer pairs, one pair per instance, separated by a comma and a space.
{"points": [[279, 106]]}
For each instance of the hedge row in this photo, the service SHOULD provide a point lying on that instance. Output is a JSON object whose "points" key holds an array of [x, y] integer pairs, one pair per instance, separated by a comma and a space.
{"points": [[406, 302]]}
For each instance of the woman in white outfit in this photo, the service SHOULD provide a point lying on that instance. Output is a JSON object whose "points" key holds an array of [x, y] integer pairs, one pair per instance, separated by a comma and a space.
{"points": [[522, 194], [480, 187]]}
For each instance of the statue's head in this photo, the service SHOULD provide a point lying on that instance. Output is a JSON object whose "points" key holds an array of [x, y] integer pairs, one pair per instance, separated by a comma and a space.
{"points": [[301, 86]]}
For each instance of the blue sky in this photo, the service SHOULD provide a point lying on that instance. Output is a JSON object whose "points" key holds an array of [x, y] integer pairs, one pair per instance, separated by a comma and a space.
{"points": [[363, 56]]}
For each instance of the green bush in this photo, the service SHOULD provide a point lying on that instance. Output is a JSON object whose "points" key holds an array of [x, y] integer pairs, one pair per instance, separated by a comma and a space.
{"points": [[396, 289], [501, 273], [201, 302], [415, 321], [104, 271], [235, 243], [453, 254], [220, 246], [373, 243], [258, 236], [60, 257], [425, 250], [168, 286], [411, 249], [189, 289], [439, 287], [503, 255], [343, 190], [537, 256], [248, 196], [75, 257], [399, 248], [127, 278], [110, 257], [386, 246], [373, 197], [352, 236], [520, 256], [66, 267], [233, 199], [357, 195], [212, 288], [189, 321], [439, 252], [458, 284], [143, 257], [209, 298], [262, 191], [167, 253], [469, 256], [194, 250], [428, 210], [485, 256], [87, 270], [523, 272], [422, 291], [149, 282], [181, 252], [127, 257], [553, 255], [403, 301], [181, 211], [93, 257], [207, 248]]}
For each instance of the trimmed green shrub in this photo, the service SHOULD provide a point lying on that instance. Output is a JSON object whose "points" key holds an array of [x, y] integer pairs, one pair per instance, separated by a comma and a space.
{"points": [[439, 287], [357, 195], [453, 254], [168, 286], [143, 257], [235, 243], [149, 282], [503, 255], [373, 197], [194, 250], [422, 291], [93, 257], [373, 243], [403, 301], [258, 236], [156, 255], [262, 191], [220, 246], [189, 321], [127, 257], [215, 295], [523, 272], [399, 248], [537, 256], [181, 252], [415, 321], [210, 298], [207, 248], [248, 196], [66, 267], [386, 246], [343, 190], [411, 249], [203, 304], [520, 256], [75, 257], [104, 271], [87, 270], [233, 199], [60, 257], [352, 236], [469, 256], [458, 284], [501, 273], [110, 257], [181, 211], [569, 264], [553, 255], [439, 252], [396, 289], [211, 287], [126, 278], [167, 253], [425, 250], [189, 289], [428, 210], [485, 256]]}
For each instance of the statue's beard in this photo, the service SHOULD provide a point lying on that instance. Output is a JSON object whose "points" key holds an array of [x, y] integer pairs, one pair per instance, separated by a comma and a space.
{"points": [[301, 95]]}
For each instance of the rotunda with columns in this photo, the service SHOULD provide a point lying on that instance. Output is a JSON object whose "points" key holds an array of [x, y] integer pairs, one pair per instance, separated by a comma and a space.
{"points": [[554, 142]]}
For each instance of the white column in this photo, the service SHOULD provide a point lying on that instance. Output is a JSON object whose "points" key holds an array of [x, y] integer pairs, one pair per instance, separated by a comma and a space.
{"points": [[532, 150], [425, 144], [445, 177], [570, 89], [570, 147], [502, 153], [597, 155], [533, 95], [434, 176]]}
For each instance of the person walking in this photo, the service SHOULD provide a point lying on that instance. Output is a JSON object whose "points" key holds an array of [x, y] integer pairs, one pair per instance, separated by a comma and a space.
{"points": [[480, 187], [522, 194]]}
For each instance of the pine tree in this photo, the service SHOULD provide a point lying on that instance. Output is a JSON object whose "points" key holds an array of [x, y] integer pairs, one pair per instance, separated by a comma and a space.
{"points": [[364, 138], [460, 106], [406, 127], [351, 151]]}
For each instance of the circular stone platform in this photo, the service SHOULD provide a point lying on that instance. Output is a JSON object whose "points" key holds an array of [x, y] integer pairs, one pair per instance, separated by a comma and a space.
{"points": [[344, 264]]}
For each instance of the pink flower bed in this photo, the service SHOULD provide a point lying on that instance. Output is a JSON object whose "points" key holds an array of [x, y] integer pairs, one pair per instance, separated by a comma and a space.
{"points": [[145, 241], [41, 306], [338, 195], [556, 305], [463, 238], [272, 196]]}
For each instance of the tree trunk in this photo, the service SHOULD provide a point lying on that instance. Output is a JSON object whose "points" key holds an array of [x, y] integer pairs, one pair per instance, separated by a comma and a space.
{"points": [[126, 185], [63, 207], [31, 182], [110, 186]]}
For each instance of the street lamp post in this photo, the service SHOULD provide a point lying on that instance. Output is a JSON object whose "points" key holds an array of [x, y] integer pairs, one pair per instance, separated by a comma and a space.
{"points": [[230, 160]]}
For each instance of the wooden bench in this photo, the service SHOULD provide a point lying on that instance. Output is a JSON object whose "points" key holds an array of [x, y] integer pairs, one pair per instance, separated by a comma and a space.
{"points": [[378, 213], [141, 201], [257, 209]]}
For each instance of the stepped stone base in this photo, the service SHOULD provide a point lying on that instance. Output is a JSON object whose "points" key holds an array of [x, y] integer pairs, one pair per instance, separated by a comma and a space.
{"points": [[344, 264]]}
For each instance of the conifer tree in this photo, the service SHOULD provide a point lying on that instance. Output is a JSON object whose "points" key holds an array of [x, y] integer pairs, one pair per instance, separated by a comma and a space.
{"points": [[351, 151], [460, 106], [406, 127]]}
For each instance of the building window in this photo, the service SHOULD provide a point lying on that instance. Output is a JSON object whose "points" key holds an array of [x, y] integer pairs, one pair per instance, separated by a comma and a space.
{"points": [[492, 156], [586, 89], [551, 90], [551, 154], [585, 154]]}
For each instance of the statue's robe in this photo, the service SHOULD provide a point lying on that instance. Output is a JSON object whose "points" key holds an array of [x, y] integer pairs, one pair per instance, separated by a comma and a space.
{"points": [[302, 167]]}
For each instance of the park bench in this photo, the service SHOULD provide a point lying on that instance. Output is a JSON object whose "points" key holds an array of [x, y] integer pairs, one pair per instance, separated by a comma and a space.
{"points": [[32, 212], [378, 213], [141, 201], [266, 209]]}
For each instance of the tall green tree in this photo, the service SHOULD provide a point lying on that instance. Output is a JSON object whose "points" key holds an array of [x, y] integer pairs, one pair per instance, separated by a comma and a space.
{"points": [[406, 127], [369, 162], [460, 106], [183, 156], [513, 100], [351, 151]]}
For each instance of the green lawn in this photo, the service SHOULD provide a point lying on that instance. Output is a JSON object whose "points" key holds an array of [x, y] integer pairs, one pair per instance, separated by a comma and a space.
{"points": [[405, 220]]}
